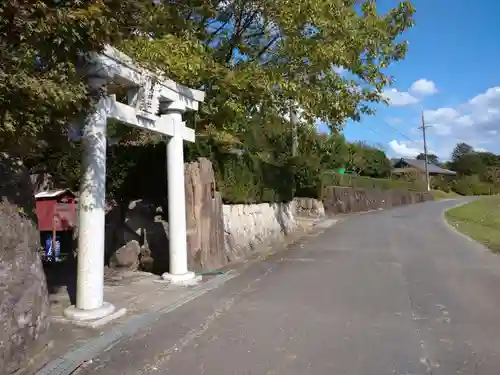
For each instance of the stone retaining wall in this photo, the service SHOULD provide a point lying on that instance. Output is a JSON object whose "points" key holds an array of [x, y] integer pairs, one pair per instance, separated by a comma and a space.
{"points": [[219, 234], [338, 200], [247, 227], [24, 303], [308, 207]]}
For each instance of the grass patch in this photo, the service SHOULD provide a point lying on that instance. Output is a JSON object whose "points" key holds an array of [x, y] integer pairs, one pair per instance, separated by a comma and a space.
{"points": [[439, 194], [479, 220]]}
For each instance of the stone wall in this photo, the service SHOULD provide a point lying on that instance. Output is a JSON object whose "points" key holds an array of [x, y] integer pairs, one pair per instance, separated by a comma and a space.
{"points": [[218, 234], [248, 227], [339, 200], [137, 232], [24, 303], [308, 207]]}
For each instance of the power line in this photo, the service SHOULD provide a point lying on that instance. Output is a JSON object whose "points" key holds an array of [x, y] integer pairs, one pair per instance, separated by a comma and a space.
{"points": [[375, 131], [456, 139], [395, 130], [401, 133], [417, 143]]}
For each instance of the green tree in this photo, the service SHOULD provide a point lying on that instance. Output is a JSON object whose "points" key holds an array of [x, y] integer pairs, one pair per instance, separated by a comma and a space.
{"points": [[251, 55], [254, 58], [470, 164], [41, 43], [356, 161], [378, 164], [367, 160], [431, 158], [460, 150], [489, 159]]}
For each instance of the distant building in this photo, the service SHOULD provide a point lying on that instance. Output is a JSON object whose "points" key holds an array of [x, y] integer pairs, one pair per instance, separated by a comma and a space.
{"points": [[404, 165]]}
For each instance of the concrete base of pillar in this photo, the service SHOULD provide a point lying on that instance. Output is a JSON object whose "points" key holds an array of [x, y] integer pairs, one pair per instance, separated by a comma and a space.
{"points": [[73, 313], [186, 279]]}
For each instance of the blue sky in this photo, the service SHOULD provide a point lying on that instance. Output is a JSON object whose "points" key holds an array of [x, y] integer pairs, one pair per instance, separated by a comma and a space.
{"points": [[452, 73]]}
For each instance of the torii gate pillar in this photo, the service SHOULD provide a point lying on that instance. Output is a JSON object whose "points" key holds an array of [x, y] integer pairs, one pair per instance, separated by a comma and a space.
{"points": [[92, 211], [177, 234]]}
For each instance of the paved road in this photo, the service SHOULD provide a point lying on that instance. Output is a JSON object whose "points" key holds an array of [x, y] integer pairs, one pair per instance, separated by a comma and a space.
{"points": [[394, 292]]}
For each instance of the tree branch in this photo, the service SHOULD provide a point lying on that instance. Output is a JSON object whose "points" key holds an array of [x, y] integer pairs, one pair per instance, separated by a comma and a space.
{"points": [[266, 47]]}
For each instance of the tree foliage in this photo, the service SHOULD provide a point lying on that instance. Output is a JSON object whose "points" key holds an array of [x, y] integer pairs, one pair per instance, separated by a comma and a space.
{"points": [[366, 160], [259, 55], [460, 150], [431, 158], [41, 43], [465, 161], [478, 173], [254, 59]]}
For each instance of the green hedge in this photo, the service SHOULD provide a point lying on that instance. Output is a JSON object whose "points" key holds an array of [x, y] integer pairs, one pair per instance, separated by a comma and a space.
{"points": [[335, 179], [465, 185], [472, 185], [139, 171], [246, 179], [442, 183]]}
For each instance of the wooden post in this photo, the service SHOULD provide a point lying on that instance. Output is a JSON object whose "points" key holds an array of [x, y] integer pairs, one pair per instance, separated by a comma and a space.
{"points": [[54, 235]]}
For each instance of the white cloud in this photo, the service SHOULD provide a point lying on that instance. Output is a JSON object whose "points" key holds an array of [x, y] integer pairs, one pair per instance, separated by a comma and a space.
{"points": [[401, 149], [465, 120], [442, 129], [404, 149], [476, 122], [491, 98], [423, 87], [440, 119], [417, 91], [399, 98], [439, 115]]}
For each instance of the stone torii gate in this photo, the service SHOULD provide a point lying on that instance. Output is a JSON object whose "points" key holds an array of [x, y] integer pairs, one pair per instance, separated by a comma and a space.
{"points": [[153, 103]]}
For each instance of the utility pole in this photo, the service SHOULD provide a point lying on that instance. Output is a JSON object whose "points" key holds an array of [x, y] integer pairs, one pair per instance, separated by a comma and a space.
{"points": [[423, 127]]}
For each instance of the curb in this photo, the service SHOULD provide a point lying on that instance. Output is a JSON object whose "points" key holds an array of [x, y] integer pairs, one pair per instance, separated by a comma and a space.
{"points": [[71, 361], [451, 228]]}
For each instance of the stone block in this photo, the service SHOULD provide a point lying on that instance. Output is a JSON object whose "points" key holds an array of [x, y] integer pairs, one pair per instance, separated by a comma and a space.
{"points": [[126, 256], [340, 199], [24, 303], [248, 227]]}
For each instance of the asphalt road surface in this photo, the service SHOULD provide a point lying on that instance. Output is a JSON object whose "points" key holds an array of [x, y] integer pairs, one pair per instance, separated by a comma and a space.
{"points": [[393, 292]]}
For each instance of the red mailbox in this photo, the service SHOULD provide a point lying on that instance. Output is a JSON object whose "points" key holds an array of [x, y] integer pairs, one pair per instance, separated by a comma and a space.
{"points": [[56, 210]]}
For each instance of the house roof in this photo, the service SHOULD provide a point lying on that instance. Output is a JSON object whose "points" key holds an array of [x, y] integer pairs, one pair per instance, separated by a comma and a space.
{"points": [[53, 193], [420, 165]]}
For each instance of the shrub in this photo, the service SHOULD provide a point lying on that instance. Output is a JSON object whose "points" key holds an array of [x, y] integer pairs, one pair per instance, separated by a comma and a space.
{"points": [[248, 179], [472, 185], [307, 179], [336, 179], [236, 180], [441, 183]]}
